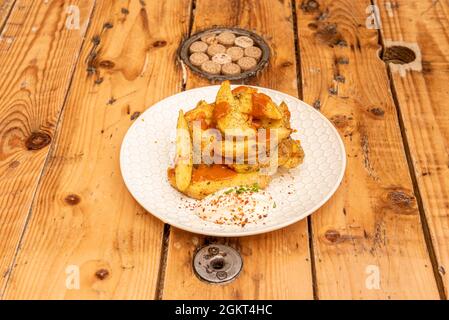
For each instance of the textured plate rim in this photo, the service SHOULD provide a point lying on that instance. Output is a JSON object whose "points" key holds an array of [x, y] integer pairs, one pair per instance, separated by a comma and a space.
{"points": [[262, 230]]}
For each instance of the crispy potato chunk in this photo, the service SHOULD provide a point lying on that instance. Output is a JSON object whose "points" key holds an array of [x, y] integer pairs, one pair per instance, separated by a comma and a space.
{"points": [[264, 107], [245, 99], [202, 112], [227, 113], [290, 154], [183, 161], [256, 104], [283, 122]]}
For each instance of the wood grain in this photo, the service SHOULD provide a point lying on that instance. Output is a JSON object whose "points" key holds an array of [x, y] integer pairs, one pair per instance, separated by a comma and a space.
{"points": [[277, 264], [37, 58], [83, 215], [423, 99], [372, 224]]}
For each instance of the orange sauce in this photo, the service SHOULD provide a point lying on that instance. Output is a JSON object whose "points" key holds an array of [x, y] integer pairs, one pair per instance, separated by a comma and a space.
{"points": [[171, 173], [221, 110], [202, 118], [256, 123], [260, 101], [241, 89], [213, 172], [204, 124]]}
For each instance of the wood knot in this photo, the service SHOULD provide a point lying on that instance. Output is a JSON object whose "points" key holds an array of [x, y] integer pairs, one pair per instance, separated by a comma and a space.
{"points": [[107, 64], [340, 121], [399, 200], [378, 112], [102, 274], [286, 64], [96, 40], [312, 26], [340, 78], [310, 6], [342, 60], [72, 199], [345, 124], [37, 140], [332, 236], [159, 43], [329, 35], [399, 55], [99, 80], [108, 25], [111, 101], [14, 164], [328, 29], [135, 115]]}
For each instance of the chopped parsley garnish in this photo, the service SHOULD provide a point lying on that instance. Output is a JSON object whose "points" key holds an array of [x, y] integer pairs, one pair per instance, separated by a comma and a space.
{"points": [[239, 190], [255, 187]]}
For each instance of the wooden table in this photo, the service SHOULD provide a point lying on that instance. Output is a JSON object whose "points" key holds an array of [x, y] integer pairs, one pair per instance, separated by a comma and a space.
{"points": [[70, 88]]}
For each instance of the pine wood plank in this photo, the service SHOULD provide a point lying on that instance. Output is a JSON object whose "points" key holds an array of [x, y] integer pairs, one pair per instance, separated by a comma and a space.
{"points": [[277, 264], [37, 58], [83, 214], [423, 98], [372, 223]]}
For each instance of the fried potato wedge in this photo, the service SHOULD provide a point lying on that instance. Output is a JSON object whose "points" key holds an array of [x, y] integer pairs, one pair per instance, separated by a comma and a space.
{"points": [[285, 114], [290, 154], [271, 111], [280, 133], [245, 100], [183, 160], [264, 107], [224, 94], [284, 122], [199, 189], [257, 104], [227, 113], [202, 112], [252, 146]]}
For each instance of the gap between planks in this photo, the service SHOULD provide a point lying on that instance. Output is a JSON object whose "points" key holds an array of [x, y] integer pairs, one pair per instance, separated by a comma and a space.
{"points": [[167, 228], [416, 190], [50, 151]]}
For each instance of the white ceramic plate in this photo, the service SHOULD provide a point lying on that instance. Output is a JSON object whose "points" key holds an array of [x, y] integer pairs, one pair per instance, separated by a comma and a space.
{"points": [[149, 146]]}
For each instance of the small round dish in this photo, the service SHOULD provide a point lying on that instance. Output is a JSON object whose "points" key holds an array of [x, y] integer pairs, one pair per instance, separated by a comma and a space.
{"points": [[149, 146], [259, 42]]}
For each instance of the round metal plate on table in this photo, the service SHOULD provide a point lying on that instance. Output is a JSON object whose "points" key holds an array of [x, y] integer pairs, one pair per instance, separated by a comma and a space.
{"points": [[258, 41], [217, 263]]}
